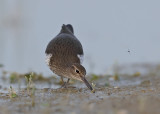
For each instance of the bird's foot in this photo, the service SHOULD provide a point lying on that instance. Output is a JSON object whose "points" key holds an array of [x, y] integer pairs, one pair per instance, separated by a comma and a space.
{"points": [[67, 86], [64, 85]]}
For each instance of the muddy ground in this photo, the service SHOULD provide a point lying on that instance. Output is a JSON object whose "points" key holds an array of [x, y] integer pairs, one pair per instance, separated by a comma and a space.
{"points": [[116, 94]]}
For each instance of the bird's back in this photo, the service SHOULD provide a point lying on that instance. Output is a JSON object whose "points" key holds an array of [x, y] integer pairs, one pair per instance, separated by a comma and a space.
{"points": [[64, 48]]}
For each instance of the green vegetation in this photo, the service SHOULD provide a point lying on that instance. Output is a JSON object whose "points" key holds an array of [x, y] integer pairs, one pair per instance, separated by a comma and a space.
{"points": [[93, 86], [94, 77], [40, 94], [30, 84], [137, 74], [12, 93], [14, 77], [116, 77]]}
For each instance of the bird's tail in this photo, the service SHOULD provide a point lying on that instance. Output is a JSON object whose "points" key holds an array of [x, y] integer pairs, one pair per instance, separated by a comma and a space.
{"points": [[69, 26], [67, 29]]}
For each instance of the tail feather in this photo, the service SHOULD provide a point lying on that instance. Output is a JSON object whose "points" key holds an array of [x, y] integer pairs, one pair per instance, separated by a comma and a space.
{"points": [[69, 26], [67, 29]]}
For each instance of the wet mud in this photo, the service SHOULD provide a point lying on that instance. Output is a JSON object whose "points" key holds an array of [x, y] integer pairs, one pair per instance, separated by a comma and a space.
{"points": [[117, 94]]}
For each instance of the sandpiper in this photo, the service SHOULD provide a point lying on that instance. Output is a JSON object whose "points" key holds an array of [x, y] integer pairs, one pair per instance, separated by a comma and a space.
{"points": [[64, 54]]}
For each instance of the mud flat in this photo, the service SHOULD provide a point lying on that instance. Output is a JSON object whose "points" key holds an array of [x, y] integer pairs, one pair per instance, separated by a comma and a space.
{"points": [[117, 94]]}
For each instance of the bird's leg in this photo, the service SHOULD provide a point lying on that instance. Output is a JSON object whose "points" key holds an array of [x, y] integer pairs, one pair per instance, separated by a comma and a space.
{"points": [[65, 83], [68, 81], [62, 80]]}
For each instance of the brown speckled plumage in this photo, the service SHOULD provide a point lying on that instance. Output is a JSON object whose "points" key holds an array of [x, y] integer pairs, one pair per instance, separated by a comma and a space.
{"points": [[64, 50]]}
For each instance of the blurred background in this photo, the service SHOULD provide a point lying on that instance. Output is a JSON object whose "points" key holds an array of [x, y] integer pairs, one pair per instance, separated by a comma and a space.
{"points": [[112, 32]]}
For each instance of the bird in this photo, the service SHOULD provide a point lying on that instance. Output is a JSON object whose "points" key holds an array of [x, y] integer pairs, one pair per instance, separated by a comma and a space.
{"points": [[64, 55]]}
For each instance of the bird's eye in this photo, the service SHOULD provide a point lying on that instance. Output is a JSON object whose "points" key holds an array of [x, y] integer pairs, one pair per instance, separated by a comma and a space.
{"points": [[77, 71]]}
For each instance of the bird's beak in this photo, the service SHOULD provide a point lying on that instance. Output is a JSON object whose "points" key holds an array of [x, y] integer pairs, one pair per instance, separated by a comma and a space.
{"points": [[87, 83]]}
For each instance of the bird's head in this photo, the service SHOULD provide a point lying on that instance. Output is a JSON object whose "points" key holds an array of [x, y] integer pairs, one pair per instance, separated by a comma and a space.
{"points": [[78, 72]]}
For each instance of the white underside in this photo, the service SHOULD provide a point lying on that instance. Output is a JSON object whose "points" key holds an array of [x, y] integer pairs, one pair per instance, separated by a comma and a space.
{"points": [[48, 57]]}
